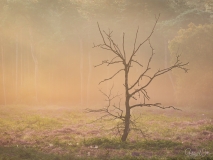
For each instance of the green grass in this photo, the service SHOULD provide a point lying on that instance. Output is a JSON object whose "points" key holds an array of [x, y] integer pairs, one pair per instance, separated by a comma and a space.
{"points": [[117, 144], [21, 153], [209, 128], [60, 133]]}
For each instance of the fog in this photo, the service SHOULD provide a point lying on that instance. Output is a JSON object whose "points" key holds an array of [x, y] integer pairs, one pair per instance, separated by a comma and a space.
{"points": [[48, 54]]}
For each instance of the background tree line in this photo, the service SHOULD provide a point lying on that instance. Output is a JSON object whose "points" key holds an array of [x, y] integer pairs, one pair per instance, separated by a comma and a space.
{"points": [[47, 56]]}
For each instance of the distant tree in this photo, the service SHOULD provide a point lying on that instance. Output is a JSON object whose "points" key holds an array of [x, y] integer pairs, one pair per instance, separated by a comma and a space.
{"points": [[134, 91], [185, 13], [3, 71], [191, 15], [29, 29], [195, 44]]}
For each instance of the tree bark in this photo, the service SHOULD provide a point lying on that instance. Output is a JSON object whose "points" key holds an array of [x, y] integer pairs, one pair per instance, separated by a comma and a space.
{"points": [[127, 116], [127, 122]]}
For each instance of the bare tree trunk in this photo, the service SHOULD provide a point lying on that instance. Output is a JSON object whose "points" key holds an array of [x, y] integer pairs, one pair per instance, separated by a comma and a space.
{"points": [[89, 78], [21, 57], [35, 64], [108, 72], [16, 67], [90, 69], [127, 123], [3, 76], [127, 116], [28, 65], [166, 62], [21, 67], [50, 80], [81, 69]]}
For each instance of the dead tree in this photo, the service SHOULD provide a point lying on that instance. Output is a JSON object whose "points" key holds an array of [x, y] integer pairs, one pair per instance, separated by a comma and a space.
{"points": [[134, 90]]}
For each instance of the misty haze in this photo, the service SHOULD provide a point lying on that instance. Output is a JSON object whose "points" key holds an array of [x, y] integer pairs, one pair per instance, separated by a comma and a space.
{"points": [[106, 79]]}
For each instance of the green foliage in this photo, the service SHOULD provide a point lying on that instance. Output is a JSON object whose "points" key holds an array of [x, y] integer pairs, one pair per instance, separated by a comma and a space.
{"points": [[191, 15], [195, 45]]}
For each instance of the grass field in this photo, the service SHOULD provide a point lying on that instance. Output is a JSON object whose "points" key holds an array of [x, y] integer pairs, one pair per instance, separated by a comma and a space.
{"points": [[56, 132]]}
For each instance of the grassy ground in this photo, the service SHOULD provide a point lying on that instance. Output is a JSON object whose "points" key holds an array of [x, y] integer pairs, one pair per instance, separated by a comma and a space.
{"points": [[57, 132]]}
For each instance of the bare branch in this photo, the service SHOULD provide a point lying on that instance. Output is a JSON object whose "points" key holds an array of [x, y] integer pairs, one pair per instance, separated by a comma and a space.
{"points": [[113, 59], [101, 33], [123, 47], [145, 94], [103, 62], [137, 63], [115, 62], [111, 76], [177, 64], [118, 127], [147, 68], [109, 63], [134, 98], [136, 36], [157, 18], [98, 119], [108, 46], [136, 128], [136, 50], [111, 112], [158, 105], [116, 48]]}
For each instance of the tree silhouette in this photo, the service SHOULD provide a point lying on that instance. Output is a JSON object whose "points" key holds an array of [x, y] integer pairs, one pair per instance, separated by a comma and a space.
{"points": [[137, 89]]}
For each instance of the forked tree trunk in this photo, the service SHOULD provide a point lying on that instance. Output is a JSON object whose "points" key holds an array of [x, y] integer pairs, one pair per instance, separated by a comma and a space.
{"points": [[118, 114]]}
